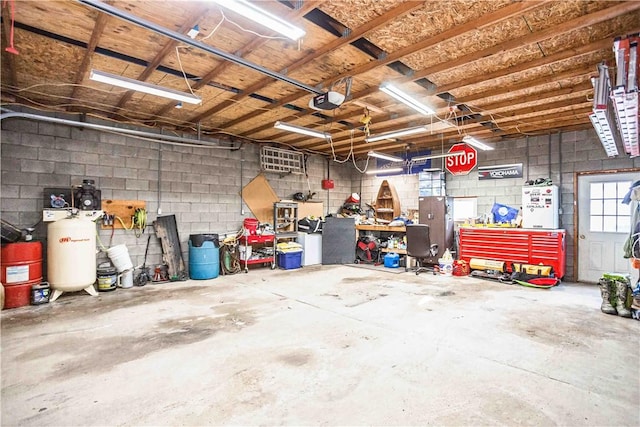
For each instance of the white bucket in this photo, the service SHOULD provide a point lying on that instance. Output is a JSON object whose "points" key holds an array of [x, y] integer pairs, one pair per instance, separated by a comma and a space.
{"points": [[125, 279], [446, 267], [119, 256]]}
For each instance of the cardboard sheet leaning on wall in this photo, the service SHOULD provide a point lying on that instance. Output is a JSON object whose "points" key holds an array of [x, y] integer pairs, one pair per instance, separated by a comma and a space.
{"points": [[260, 197]]}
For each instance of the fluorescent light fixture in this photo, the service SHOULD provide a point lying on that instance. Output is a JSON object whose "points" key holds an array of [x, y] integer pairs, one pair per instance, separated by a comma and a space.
{"points": [[437, 156], [388, 170], [626, 108], [625, 94], [124, 82], [251, 11], [302, 130], [601, 120], [406, 99], [397, 133], [602, 116], [475, 143], [384, 156]]}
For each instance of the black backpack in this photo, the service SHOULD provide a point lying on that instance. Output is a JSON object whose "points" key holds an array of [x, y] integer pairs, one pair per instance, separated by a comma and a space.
{"points": [[310, 225]]}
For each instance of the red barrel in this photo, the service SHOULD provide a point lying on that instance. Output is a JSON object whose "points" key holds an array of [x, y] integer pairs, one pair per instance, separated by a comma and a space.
{"points": [[21, 268]]}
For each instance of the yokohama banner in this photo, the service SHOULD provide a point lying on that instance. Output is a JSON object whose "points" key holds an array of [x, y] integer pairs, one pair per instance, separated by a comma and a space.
{"points": [[500, 171]]}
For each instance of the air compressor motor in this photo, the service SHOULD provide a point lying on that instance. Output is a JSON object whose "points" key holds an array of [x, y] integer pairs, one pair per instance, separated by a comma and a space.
{"points": [[86, 197]]}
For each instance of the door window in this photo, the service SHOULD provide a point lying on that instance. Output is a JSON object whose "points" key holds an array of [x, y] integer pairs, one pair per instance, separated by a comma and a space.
{"points": [[607, 213]]}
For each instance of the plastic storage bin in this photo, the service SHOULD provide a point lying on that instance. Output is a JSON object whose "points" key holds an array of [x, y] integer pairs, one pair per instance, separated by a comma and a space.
{"points": [[290, 260]]}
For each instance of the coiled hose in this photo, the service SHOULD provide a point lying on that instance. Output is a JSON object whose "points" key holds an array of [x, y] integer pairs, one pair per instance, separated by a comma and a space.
{"points": [[230, 254]]}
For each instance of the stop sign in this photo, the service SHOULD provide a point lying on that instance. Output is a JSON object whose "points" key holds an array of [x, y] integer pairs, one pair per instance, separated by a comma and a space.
{"points": [[463, 163]]}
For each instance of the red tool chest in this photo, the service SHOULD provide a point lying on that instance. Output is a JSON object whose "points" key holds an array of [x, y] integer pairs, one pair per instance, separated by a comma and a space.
{"points": [[515, 245]]}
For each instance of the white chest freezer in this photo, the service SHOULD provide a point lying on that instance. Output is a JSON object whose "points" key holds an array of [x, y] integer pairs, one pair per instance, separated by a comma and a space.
{"points": [[311, 248]]}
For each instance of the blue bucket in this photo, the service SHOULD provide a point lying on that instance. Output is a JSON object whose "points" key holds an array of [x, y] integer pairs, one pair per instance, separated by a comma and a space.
{"points": [[204, 257]]}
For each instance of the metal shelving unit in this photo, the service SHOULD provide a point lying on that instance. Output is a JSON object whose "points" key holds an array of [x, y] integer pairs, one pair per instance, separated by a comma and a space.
{"points": [[285, 224]]}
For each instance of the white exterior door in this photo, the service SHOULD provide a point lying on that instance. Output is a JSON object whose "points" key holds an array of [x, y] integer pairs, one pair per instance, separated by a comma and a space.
{"points": [[603, 224]]}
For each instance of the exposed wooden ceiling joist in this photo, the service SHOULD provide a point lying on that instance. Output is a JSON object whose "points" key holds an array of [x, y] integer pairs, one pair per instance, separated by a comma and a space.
{"points": [[494, 69]]}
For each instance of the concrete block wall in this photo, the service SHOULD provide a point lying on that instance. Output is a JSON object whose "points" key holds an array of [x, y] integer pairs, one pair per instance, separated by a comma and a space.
{"points": [[556, 156], [406, 186], [200, 186]]}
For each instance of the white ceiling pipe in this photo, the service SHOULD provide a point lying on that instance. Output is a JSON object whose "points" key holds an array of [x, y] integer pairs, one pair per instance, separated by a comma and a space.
{"points": [[160, 138]]}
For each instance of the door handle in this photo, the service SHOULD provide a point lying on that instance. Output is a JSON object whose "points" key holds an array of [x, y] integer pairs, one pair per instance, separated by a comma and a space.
{"points": [[582, 236]]}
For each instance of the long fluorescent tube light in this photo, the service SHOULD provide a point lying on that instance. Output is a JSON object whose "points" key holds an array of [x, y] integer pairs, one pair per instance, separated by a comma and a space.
{"points": [[300, 129], [388, 170], [406, 99], [437, 156], [396, 133], [475, 143], [384, 156], [601, 120], [251, 11], [602, 116], [625, 94], [626, 108], [127, 83]]}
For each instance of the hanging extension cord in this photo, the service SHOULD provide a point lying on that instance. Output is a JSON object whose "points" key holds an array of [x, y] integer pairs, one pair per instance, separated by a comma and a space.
{"points": [[139, 221]]}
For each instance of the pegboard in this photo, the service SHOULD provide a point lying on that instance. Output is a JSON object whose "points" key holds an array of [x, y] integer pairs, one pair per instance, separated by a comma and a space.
{"points": [[123, 209]]}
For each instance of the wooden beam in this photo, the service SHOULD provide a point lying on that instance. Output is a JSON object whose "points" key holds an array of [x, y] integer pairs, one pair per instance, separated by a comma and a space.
{"points": [[582, 71], [547, 33], [10, 58], [525, 66], [96, 34], [374, 24], [254, 44], [492, 18], [485, 109], [160, 56]]}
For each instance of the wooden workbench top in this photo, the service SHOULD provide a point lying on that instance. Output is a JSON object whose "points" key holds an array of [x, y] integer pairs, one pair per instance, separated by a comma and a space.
{"points": [[371, 227]]}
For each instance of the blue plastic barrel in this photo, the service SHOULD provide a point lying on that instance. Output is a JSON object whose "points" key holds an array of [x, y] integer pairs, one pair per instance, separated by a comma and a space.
{"points": [[204, 256]]}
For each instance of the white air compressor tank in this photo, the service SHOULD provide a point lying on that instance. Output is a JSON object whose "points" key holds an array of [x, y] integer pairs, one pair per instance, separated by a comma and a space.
{"points": [[71, 256]]}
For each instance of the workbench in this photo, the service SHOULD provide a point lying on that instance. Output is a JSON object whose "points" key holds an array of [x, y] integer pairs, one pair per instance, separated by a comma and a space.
{"points": [[383, 229]]}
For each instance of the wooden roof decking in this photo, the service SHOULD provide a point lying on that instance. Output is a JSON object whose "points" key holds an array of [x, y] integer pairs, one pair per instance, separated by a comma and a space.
{"points": [[494, 69]]}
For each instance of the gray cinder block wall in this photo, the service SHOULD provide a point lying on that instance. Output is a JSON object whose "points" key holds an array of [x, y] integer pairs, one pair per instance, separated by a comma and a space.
{"points": [[200, 186], [557, 156]]}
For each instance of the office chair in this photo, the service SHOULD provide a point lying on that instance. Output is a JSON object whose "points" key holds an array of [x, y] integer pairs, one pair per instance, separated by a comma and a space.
{"points": [[419, 246]]}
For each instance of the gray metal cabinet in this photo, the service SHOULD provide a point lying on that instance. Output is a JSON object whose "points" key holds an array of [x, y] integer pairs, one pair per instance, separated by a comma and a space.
{"points": [[437, 212]]}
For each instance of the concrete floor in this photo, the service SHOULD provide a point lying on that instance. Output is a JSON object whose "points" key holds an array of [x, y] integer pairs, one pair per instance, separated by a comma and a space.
{"points": [[326, 345]]}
